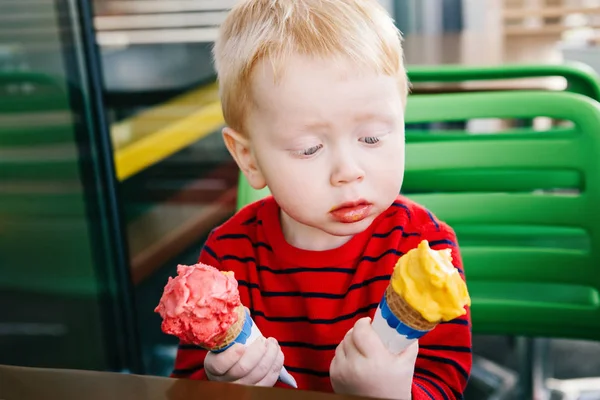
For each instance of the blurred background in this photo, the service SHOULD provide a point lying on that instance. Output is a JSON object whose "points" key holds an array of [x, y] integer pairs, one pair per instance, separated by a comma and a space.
{"points": [[113, 171]]}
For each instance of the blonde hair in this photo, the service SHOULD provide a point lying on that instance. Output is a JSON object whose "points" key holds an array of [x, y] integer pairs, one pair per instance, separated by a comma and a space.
{"points": [[254, 30]]}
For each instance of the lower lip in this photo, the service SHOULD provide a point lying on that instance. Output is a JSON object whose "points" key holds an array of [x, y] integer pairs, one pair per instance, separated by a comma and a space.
{"points": [[348, 215]]}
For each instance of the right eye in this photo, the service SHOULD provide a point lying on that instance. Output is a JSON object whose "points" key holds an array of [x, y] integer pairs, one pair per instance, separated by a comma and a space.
{"points": [[310, 151]]}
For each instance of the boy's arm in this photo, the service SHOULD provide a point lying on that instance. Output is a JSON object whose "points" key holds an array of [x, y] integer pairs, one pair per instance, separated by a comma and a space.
{"points": [[189, 362], [444, 362]]}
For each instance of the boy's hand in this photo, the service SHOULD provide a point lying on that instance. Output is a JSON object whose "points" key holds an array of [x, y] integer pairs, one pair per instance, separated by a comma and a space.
{"points": [[363, 366], [258, 364]]}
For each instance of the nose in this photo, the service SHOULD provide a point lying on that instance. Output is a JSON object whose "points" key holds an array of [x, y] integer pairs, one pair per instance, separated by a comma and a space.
{"points": [[346, 170]]}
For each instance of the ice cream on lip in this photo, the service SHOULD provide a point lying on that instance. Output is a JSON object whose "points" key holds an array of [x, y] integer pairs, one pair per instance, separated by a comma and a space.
{"points": [[350, 212]]}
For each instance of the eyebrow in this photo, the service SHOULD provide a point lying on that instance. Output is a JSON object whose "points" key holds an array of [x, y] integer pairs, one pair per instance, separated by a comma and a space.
{"points": [[320, 125], [373, 117], [363, 117]]}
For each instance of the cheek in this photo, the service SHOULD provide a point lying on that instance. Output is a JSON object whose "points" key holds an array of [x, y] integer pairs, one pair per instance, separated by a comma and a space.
{"points": [[295, 186], [389, 160], [386, 168]]}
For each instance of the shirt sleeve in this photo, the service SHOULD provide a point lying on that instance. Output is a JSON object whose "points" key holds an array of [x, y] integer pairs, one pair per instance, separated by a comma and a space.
{"points": [[444, 362], [189, 361]]}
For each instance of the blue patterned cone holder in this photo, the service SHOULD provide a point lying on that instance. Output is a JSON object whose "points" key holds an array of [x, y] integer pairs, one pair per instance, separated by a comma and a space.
{"points": [[395, 335], [249, 334]]}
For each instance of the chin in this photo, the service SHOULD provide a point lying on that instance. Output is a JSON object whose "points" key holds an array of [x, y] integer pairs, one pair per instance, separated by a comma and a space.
{"points": [[348, 229]]}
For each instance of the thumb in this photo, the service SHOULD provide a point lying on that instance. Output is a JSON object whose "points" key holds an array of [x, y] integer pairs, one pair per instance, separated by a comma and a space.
{"points": [[411, 351], [365, 338]]}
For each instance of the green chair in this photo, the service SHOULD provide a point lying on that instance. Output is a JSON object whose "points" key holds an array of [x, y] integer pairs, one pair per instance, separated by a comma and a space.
{"points": [[580, 78], [541, 268], [531, 249]]}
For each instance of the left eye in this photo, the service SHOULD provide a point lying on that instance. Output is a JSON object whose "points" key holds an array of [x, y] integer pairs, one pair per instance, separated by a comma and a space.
{"points": [[370, 140]]}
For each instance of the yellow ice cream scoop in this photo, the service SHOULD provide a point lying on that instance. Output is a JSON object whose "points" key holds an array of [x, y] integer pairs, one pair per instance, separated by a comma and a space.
{"points": [[430, 284]]}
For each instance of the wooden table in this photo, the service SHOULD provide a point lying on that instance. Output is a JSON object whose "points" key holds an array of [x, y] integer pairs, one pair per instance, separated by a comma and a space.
{"points": [[17, 383]]}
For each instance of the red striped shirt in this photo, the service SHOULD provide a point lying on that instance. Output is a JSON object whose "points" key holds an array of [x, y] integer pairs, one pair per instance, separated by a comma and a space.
{"points": [[308, 300]]}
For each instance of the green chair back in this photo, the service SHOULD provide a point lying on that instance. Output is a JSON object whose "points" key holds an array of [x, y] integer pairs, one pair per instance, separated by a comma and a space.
{"points": [[580, 78], [531, 249]]}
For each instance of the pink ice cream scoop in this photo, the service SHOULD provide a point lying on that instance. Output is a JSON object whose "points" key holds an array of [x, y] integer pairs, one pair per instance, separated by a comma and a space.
{"points": [[199, 305]]}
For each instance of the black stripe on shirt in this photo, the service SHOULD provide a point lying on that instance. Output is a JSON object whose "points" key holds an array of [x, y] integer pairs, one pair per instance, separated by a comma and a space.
{"points": [[379, 257], [391, 214], [305, 269], [396, 228], [236, 258], [458, 349], [421, 373], [190, 347], [312, 346], [432, 218], [456, 321], [316, 295], [315, 321], [425, 390], [235, 236], [404, 206], [434, 384], [288, 270], [447, 361], [443, 241], [210, 252], [188, 371], [320, 374], [249, 221]]}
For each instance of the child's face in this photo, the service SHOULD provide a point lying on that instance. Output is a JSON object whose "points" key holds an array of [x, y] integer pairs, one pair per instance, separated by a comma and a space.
{"points": [[329, 141]]}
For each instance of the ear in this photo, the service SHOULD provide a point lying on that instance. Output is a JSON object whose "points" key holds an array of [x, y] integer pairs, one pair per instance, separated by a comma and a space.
{"points": [[239, 148]]}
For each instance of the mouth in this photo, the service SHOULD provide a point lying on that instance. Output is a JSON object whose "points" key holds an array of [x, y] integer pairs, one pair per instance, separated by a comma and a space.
{"points": [[351, 212]]}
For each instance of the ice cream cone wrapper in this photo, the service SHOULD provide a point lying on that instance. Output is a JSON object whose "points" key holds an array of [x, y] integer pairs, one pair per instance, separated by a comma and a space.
{"points": [[244, 331], [397, 323]]}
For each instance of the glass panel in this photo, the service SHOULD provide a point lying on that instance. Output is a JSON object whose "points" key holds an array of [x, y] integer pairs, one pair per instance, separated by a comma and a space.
{"points": [[64, 284], [177, 180]]}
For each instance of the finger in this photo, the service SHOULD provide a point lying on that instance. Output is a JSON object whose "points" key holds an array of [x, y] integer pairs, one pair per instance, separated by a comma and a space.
{"points": [[411, 352], [271, 378], [340, 353], [348, 345], [265, 364], [365, 339], [249, 360], [218, 364]]}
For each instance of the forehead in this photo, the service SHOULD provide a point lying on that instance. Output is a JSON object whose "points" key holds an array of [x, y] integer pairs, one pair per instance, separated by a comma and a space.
{"points": [[322, 88]]}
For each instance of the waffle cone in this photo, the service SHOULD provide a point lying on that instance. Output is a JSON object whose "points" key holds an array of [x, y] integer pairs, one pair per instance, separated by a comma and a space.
{"points": [[233, 331], [405, 313]]}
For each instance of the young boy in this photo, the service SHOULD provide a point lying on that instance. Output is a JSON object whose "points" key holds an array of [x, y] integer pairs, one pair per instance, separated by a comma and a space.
{"points": [[313, 94]]}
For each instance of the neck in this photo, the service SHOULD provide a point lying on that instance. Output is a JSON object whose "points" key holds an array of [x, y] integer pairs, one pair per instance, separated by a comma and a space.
{"points": [[308, 238]]}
